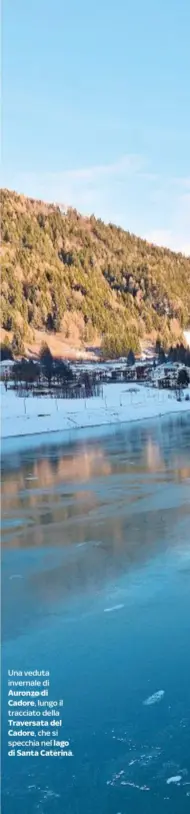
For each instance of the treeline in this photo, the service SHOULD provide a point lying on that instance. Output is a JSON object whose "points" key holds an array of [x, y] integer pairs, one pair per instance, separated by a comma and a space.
{"points": [[49, 376], [111, 283], [179, 353], [10, 350]]}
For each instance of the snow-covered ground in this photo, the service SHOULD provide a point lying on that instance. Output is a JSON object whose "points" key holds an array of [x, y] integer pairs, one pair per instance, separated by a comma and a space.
{"points": [[120, 403]]}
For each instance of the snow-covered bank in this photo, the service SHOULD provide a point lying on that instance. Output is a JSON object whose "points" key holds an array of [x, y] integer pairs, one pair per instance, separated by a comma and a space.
{"points": [[120, 403]]}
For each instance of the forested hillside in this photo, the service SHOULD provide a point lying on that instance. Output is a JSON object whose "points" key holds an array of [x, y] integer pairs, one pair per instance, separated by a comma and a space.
{"points": [[61, 269]]}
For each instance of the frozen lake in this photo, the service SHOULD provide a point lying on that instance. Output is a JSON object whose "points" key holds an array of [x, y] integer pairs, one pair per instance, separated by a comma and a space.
{"points": [[96, 589]]}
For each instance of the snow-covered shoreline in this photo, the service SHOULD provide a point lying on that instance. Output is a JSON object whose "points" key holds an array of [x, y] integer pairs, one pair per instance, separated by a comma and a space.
{"points": [[121, 403]]}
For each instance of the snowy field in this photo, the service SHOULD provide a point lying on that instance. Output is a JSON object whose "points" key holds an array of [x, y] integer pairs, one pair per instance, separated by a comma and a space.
{"points": [[120, 403]]}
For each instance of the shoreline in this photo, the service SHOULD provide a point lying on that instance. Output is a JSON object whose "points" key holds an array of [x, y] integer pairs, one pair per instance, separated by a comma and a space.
{"points": [[13, 444], [29, 421], [94, 426]]}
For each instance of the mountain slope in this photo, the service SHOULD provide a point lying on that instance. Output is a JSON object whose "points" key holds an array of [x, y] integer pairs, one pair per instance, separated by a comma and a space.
{"points": [[61, 270]]}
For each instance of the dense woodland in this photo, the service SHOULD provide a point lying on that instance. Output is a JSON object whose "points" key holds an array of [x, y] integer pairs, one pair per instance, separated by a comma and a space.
{"points": [[114, 285]]}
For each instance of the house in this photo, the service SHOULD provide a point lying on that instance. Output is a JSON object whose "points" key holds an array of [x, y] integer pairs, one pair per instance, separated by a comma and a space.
{"points": [[166, 375]]}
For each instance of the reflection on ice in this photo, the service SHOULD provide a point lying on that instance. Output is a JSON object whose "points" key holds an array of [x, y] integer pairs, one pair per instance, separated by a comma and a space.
{"points": [[105, 529]]}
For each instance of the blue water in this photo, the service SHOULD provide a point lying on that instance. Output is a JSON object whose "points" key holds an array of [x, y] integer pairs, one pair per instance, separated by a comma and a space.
{"points": [[96, 589]]}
